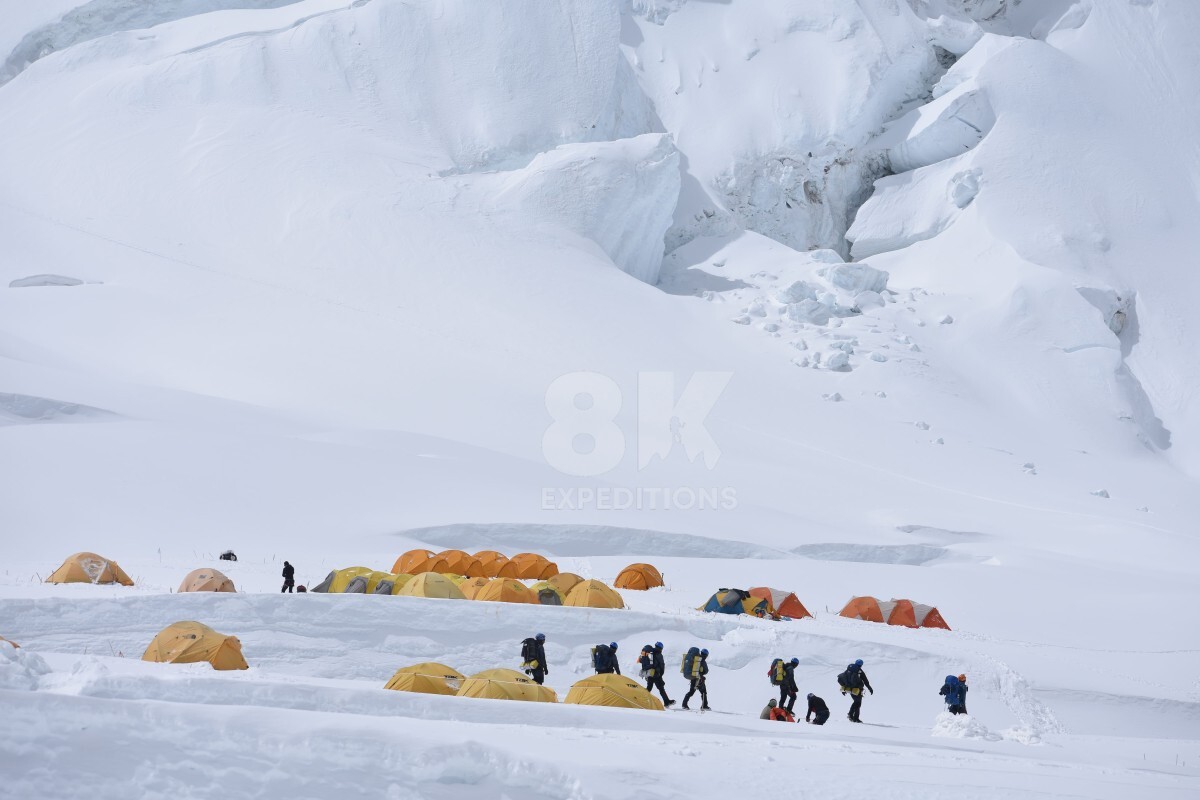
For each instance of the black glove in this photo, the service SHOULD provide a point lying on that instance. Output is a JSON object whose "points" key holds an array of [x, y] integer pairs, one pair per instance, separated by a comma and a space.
{"points": [[869, 689]]}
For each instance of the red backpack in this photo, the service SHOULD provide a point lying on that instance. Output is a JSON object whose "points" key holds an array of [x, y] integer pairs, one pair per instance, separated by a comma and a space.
{"points": [[781, 715]]}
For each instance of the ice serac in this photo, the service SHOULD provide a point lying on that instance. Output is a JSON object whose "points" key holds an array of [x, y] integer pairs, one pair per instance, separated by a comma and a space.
{"points": [[772, 104], [620, 194]]}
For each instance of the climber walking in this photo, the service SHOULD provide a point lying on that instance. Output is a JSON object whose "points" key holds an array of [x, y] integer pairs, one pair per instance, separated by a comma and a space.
{"points": [[695, 668], [289, 578], [853, 681], [653, 666]]}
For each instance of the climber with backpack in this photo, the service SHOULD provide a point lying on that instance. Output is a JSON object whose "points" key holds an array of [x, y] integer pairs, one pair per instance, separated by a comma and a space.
{"points": [[604, 659], [653, 666], [533, 658], [695, 668], [853, 680], [955, 692], [783, 674]]}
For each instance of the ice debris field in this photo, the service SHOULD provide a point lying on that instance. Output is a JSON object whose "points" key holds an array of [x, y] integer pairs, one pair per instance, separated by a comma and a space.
{"points": [[868, 297]]}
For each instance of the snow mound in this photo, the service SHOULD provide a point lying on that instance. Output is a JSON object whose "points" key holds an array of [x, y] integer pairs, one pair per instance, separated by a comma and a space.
{"points": [[44, 280], [23, 409], [962, 726], [20, 670]]}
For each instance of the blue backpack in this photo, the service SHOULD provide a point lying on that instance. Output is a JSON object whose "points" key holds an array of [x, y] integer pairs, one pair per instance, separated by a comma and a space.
{"points": [[602, 658]]}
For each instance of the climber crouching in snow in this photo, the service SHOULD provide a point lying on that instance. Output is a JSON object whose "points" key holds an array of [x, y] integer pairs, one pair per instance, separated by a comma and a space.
{"points": [[817, 709], [853, 681]]}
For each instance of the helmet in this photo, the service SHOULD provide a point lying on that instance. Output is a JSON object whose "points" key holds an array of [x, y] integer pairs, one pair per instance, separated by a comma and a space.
{"points": [[810, 695], [612, 645], [858, 663], [541, 637], [795, 661], [658, 645], [962, 678], [648, 647], [703, 652]]}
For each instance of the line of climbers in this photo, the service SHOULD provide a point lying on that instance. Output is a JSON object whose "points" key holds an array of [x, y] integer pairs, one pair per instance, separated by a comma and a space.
{"points": [[852, 681], [782, 674], [694, 667]]}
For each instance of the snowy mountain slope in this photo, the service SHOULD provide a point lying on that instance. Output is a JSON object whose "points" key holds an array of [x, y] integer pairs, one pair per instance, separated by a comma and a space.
{"points": [[319, 263]]}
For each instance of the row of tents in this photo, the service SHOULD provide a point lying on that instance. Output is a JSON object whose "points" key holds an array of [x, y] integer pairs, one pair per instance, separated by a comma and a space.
{"points": [[560, 589], [769, 603], [484, 564], [614, 691], [190, 642], [424, 573]]}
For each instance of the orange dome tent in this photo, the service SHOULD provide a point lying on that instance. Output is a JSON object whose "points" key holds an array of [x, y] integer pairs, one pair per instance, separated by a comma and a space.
{"points": [[894, 612], [89, 568], [638, 576], [414, 562], [497, 565], [506, 590], [783, 602], [461, 563], [206, 580], [532, 567], [593, 594]]}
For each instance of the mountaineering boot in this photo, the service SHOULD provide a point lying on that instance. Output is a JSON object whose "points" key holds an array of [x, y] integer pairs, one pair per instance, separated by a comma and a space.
{"points": [[685, 706], [669, 703], [704, 707]]}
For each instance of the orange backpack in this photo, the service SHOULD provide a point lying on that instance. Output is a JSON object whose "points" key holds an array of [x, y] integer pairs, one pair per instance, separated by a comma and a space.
{"points": [[781, 715]]}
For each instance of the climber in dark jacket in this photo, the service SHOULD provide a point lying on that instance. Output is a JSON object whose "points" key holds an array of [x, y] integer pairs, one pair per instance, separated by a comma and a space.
{"points": [[788, 689], [654, 675], [533, 658], [698, 681], [817, 708], [856, 681], [289, 578]]}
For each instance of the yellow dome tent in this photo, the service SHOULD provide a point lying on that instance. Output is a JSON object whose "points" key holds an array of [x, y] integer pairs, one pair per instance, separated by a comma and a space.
{"points": [[427, 678], [89, 568], [506, 590], [414, 562], [593, 594], [339, 580], [399, 582], [615, 691], [471, 586], [191, 643], [547, 593], [638, 576], [206, 580], [564, 582], [506, 684], [431, 584]]}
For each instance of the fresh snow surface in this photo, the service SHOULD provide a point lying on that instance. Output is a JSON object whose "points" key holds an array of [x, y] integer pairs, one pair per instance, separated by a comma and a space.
{"points": [[296, 279]]}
